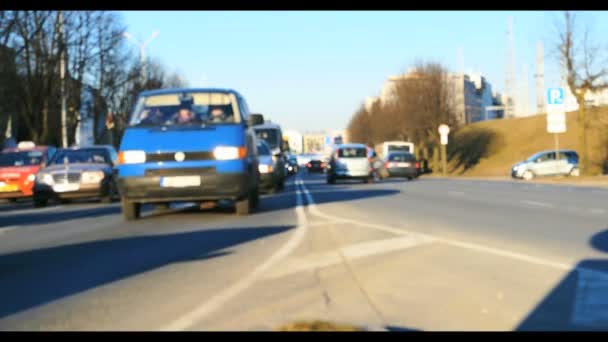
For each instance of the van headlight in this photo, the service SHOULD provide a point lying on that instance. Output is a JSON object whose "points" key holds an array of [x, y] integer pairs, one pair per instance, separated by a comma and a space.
{"points": [[229, 152], [263, 168], [31, 177], [92, 177], [131, 157]]}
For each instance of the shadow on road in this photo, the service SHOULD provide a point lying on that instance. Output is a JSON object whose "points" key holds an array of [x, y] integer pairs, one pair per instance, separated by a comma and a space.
{"points": [[46, 217], [391, 328], [32, 278], [579, 301]]}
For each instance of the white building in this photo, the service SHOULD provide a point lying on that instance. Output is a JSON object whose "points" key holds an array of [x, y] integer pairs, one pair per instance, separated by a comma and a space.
{"points": [[295, 140]]}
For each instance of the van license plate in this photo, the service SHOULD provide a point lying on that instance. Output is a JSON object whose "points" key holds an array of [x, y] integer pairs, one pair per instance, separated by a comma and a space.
{"points": [[180, 181], [403, 164]]}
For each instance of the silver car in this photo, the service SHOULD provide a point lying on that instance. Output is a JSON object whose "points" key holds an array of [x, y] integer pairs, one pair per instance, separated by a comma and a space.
{"points": [[349, 161], [545, 164]]}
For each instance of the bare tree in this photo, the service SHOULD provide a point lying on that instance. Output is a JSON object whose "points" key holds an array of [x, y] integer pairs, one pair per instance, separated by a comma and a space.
{"points": [[359, 127], [586, 74], [423, 102]]}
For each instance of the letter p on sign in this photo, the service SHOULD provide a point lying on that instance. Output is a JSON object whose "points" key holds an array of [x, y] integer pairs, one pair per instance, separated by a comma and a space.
{"points": [[555, 96]]}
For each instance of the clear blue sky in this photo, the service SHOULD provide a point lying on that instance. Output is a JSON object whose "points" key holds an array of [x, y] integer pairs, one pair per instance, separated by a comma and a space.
{"points": [[311, 70]]}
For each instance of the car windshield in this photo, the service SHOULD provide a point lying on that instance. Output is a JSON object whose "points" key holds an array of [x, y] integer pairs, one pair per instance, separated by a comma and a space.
{"points": [[352, 152], [21, 158], [402, 157], [187, 108], [263, 150], [269, 135], [80, 156], [534, 157]]}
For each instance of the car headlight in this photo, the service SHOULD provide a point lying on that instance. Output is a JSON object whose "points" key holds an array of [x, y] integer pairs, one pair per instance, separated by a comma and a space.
{"points": [[131, 157], [45, 178], [263, 168], [31, 177], [92, 177], [229, 152]]}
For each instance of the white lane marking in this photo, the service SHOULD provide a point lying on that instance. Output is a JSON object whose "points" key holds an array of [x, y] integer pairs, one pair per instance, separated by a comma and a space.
{"points": [[597, 211], [503, 253], [537, 204], [354, 251], [471, 246], [455, 193], [8, 229], [189, 319]]}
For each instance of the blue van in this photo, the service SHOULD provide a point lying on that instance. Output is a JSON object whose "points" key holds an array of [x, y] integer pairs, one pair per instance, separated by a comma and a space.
{"points": [[188, 145]]}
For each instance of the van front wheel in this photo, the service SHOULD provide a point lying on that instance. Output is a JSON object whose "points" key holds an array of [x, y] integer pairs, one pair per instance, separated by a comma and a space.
{"points": [[244, 206], [130, 210]]}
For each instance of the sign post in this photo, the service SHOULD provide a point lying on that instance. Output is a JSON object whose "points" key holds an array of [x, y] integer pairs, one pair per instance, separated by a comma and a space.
{"points": [[444, 130], [556, 117]]}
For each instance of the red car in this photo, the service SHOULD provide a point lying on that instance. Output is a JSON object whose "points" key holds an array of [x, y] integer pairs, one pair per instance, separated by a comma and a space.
{"points": [[18, 168]]}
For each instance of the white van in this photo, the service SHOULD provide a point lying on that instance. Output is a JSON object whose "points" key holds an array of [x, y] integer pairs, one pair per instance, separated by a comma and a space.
{"points": [[394, 146]]}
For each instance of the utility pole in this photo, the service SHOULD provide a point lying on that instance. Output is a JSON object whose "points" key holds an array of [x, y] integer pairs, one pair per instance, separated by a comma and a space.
{"points": [[64, 133], [510, 73], [142, 52], [524, 109], [540, 79]]}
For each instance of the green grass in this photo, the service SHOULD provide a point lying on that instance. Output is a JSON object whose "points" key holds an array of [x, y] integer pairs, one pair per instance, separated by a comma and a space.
{"points": [[490, 148]]}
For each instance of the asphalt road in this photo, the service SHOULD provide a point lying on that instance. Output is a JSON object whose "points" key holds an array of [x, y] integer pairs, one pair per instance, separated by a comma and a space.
{"points": [[430, 254]]}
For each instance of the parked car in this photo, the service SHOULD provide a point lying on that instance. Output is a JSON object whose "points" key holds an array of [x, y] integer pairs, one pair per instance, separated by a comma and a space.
{"points": [[189, 145], [85, 172], [18, 168], [271, 178], [349, 161], [544, 163], [400, 164]]}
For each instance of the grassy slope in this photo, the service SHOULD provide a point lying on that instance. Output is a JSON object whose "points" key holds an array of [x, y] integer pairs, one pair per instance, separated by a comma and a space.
{"points": [[490, 148]]}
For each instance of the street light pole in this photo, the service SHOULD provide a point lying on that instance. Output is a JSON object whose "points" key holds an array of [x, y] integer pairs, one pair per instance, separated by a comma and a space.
{"points": [[64, 133], [142, 52]]}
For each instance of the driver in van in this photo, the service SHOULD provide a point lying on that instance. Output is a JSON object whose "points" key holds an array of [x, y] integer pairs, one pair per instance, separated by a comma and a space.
{"points": [[184, 114], [218, 115]]}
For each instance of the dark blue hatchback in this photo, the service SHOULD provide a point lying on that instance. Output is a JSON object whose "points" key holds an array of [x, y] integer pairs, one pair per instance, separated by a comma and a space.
{"points": [[188, 145]]}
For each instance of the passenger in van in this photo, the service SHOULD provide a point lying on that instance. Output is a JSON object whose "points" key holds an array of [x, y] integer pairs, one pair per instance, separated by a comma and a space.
{"points": [[152, 116], [218, 115]]}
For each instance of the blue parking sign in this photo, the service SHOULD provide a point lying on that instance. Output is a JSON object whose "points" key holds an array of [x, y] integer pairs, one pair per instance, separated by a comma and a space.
{"points": [[555, 96]]}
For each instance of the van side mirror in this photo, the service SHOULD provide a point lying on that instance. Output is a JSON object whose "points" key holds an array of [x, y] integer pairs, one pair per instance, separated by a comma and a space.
{"points": [[256, 119]]}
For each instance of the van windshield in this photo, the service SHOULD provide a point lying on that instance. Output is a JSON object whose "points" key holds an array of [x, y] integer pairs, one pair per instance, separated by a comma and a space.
{"points": [[269, 135], [186, 108]]}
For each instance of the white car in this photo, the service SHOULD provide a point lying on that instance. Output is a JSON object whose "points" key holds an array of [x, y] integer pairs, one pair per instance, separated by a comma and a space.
{"points": [[545, 164], [349, 161]]}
